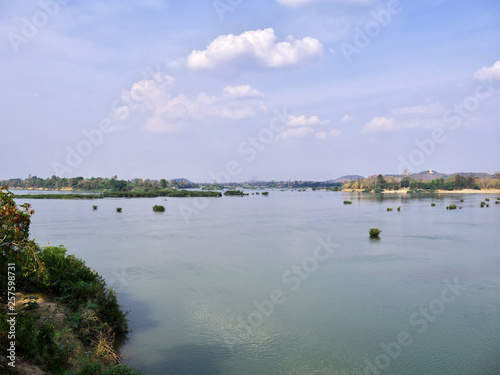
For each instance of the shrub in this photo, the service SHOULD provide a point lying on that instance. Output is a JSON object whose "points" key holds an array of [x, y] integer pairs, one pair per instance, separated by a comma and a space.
{"points": [[347, 202], [265, 193], [158, 208], [461, 200], [433, 204], [389, 208], [374, 232], [378, 190], [451, 207], [94, 207], [234, 193], [118, 209], [399, 208], [497, 202], [487, 199], [482, 204]]}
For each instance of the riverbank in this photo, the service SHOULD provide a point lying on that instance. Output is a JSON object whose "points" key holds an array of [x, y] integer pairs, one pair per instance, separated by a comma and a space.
{"points": [[461, 191]]}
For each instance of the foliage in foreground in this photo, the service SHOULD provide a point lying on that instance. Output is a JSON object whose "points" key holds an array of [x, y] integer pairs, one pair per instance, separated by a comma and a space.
{"points": [[92, 315]]}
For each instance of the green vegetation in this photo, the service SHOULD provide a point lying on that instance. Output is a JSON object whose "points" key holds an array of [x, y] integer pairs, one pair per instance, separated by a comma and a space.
{"points": [[113, 184], [94, 207], [379, 183], [482, 204], [231, 193], [374, 232], [433, 204], [58, 196], [399, 208], [265, 193], [487, 199], [158, 208], [161, 193], [451, 207], [389, 208], [75, 333], [347, 202], [212, 187], [497, 202], [126, 194], [94, 183], [118, 209]]}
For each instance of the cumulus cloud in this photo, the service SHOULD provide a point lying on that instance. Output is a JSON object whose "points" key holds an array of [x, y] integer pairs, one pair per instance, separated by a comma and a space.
{"points": [[490, 73], [305, 121], [296, 133], [377, 124], [427, 116], [167, 112], [259, 47]]}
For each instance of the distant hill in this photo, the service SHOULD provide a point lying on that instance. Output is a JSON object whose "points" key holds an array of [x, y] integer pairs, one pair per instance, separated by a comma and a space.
{"points": [[348, 177]]}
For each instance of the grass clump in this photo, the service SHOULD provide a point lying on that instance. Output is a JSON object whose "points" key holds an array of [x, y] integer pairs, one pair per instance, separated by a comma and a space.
{"points": [[389, 208], [374, 232], [158, 208], [433, 204], [118, 209], [451, 207], [94, 207], [347, 202]]}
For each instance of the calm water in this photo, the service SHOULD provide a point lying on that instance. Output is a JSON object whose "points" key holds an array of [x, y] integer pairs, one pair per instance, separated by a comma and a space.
{"points": [[199, 292]]}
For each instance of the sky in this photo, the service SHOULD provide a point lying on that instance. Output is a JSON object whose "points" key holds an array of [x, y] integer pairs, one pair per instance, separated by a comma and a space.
{"points": [[240, 90]]}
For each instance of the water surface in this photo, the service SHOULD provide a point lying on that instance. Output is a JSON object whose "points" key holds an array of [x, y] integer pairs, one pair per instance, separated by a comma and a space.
{"points": [[193, 287]]}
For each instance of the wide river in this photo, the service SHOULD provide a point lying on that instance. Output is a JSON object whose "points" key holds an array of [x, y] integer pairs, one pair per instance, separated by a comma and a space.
{"points": [[291, 283]]}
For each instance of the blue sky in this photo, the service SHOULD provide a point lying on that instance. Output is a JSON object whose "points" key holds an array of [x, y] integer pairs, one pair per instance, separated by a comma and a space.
{"points": [[239, 90]]}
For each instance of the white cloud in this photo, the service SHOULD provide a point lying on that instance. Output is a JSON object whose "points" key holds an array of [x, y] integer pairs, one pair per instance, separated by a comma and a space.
{"points": [[491, 73], [296, 133], [377, 124], [346, 118], [240, 92], [299, 3], [259, 47], [428, 115], [166, 112], [305, 121]]}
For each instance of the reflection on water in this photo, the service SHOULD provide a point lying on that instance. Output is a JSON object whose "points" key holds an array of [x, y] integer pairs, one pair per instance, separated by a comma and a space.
{"points": [[197, 291]]}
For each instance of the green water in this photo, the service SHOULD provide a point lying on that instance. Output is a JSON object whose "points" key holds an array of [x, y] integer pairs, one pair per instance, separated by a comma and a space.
{"points": [[245, 286]]}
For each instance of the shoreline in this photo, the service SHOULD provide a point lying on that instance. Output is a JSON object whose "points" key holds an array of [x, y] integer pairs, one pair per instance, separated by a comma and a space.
{"points": [[461, 191]]}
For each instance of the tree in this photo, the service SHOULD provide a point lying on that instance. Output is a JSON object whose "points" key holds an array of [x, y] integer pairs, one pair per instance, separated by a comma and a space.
{"points": [[381, 183]]}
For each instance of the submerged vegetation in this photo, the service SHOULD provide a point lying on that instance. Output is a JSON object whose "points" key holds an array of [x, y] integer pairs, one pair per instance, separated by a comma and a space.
{"points": [[76, 331], [158, 208]]}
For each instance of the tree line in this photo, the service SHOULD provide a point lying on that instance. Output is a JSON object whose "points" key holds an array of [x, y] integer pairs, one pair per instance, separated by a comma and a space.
{"points": [[455, 182]]}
